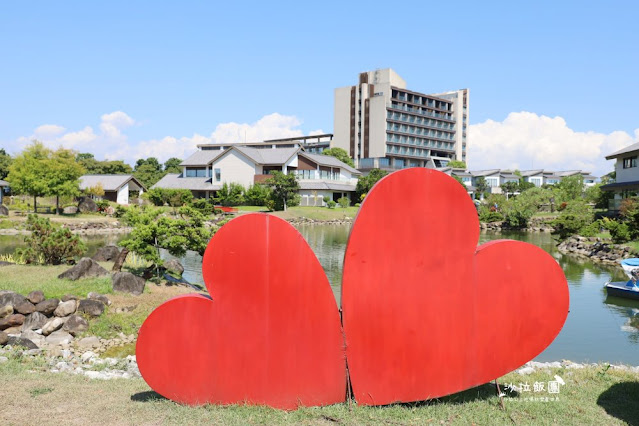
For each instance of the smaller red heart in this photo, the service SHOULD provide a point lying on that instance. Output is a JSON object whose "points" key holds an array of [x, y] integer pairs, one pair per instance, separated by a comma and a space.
{"points": [[271, 335]]}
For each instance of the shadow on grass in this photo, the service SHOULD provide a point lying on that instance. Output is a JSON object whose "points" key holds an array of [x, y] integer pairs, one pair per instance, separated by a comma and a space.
{"points": [[478, 393], [621, 400], [148, 396]]}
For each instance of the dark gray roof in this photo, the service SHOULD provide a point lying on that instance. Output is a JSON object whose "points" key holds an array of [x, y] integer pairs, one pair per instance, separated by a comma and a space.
{"points": [[4, 183], [485, 172], [175, 181], [631, 148], [268, 156], [202, 157], [329, 161], [108, 182], [531, 172], [335, 186], [617, 185]]}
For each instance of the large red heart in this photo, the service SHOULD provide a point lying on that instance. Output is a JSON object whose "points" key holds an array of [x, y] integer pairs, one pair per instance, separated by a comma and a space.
{"points": [[271, 335], [425, 312]]}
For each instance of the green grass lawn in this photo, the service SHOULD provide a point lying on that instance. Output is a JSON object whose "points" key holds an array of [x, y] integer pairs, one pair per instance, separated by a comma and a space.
{"points": [[318, 213], [252, 209], [592, 395], [26, 278]]}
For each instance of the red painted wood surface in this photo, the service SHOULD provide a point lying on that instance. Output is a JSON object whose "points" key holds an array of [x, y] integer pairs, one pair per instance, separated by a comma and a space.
{"points": [[270, 336], [426, 313]]}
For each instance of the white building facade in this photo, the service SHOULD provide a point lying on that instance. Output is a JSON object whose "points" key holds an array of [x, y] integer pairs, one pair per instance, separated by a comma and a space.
{"points": [[381, 124]]}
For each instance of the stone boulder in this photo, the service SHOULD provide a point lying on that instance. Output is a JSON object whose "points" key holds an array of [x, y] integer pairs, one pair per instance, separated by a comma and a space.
{"points": [[36, 338], [13, 330], [5, 311], [4, 338], [13, 320], [87, 205], [173, 266], [4, 211], [65, 308], [127, 282], [36, 297], [11, 298], [59, 338], [95, 308], [97, 296], [21, 341], [52, 325], [70, 210], [48, 306], [85, 268], [68, 297], [88, 342], [24, 308], [34, 321], [75, 325], [106, 254]]}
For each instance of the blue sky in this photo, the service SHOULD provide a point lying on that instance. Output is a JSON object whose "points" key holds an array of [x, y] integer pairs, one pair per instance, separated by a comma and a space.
{"points": [[553, 84]]}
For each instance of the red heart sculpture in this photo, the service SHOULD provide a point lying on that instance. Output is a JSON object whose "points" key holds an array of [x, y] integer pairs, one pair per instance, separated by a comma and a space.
{"points": [[425, 312], [271, 335]]}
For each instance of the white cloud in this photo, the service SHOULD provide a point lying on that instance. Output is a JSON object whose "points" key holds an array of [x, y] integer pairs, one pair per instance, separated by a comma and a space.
{"points": [[111, 141], [272, 126], [48, 130], [525, 140]]}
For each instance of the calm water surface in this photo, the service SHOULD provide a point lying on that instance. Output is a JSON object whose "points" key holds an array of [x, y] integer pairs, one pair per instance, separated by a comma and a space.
{"points": [[597, 328]]}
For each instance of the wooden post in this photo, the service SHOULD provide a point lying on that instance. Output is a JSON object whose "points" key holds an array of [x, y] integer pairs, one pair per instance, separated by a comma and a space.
{"points": [[117, 266]]}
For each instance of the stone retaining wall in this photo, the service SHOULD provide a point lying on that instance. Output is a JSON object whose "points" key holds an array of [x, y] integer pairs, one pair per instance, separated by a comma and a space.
{"points": [[596, 250]]}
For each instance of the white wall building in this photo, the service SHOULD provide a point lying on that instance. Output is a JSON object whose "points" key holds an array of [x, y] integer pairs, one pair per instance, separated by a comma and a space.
{"points": [[626, 182], [208, 169], [381, 124]]}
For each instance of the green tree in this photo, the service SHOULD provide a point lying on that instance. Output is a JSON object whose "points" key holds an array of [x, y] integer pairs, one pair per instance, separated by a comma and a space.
{"points": [[509, 188], [570, 188], [29, 172], [576, 216], [95, 167], [481, 186], [231, 194], [64, 175], [366, 183], [153, 230], [149, 171], [284, 188], [340, 154], [172, 165], [5, 163], [49, 244], [344, 202], [116, 167], [257, 195], [525, 185], [456, 164]]}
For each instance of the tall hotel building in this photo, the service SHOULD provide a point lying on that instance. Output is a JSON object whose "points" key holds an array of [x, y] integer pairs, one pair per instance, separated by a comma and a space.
{"points": [[383, 125]]}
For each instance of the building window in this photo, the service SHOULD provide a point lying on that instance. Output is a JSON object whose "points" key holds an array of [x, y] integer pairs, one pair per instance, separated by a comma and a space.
{"points": [[196, 172], [218, 175], [630, 162]]}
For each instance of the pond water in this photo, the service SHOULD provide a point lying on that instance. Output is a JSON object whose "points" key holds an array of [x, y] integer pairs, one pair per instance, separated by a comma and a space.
{"points": [[597, 329]]}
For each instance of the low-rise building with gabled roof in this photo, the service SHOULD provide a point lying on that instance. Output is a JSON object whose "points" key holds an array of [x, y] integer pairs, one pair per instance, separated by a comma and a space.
{"points": [[116, 187], [212, 165]]}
